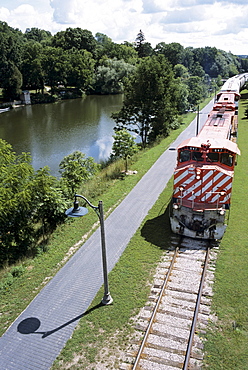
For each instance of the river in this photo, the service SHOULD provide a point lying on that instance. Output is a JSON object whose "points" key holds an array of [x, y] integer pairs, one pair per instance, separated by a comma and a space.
{"points": [[49, 132]]}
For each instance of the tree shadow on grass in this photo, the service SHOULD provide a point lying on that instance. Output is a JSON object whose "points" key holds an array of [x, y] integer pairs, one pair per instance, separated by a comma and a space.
{"points": [[157, 230]]}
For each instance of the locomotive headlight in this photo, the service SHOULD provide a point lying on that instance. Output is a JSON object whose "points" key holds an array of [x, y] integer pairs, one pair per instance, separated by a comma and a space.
{"points": [[175, 206], [222, 193], [198, 174], [221, 211], [181, 188]]}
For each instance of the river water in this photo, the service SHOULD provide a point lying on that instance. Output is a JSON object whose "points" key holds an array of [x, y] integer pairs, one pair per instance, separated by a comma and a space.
{"points": [[51, 131]]}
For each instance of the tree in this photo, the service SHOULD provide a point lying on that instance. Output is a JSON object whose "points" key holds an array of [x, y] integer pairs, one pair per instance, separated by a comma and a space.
{"points": [[37, 34], [196, 90], [49, 201], [31, 69], [27, 199], [173, 52], [54, 64], [181, 96], [75, 38], [143, 48], [12, 83], [80, 69], [181, 71], [10, 59], [109, 49], [149, 107], [75, 169], [124, 146], [15, 224], [111, 76]]}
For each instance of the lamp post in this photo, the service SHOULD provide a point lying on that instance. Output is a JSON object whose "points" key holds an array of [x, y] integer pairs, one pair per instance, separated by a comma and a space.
{"points": [[197, 120], [77, 211]]}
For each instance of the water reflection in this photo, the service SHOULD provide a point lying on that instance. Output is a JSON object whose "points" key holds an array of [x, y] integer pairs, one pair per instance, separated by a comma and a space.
{"points": [[51, 131]]}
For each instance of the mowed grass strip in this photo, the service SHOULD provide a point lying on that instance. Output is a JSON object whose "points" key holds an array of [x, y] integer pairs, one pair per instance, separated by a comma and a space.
{"points": [[227, 339]]}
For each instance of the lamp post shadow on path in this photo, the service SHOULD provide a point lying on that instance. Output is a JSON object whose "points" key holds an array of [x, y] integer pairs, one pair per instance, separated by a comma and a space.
{"points": [[78, 211]]}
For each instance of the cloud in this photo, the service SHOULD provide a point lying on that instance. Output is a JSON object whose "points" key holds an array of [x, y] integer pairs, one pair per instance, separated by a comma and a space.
{"points": [[184, 16], [4, 13], [190, 22], [151, 6], [65, 12]]}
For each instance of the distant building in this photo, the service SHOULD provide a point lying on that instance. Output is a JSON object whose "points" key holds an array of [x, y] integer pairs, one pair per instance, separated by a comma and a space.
{"points": [[25, 97]]}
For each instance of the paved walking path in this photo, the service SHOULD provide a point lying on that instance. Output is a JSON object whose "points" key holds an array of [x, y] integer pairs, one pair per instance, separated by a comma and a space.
{"points": [[38, 335]]}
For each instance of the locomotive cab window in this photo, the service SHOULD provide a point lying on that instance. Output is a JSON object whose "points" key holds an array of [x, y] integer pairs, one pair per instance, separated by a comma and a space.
{"points": [[213, 157], [227, 159], [197, 156], [184, 156]]}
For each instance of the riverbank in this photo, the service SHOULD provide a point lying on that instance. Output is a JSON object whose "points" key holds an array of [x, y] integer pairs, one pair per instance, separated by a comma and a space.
{"points": [[60, 93]]}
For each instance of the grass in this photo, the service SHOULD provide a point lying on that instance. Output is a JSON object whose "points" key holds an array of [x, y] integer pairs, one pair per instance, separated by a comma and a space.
{"points": [[227, 341]]}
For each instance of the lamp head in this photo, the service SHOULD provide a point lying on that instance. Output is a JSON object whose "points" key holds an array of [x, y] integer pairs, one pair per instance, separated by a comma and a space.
{"points": [[76, 210]]}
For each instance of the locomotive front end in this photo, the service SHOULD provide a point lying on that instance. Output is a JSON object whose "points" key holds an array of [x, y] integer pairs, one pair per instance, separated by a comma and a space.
{"points": [[202, 188]]}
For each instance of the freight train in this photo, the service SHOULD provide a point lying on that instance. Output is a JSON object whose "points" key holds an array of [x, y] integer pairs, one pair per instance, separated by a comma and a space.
{"points": [[205, 167]]}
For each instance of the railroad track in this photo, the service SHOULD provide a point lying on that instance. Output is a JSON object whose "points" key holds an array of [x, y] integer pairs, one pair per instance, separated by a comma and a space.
{"points": [[179, 305]]}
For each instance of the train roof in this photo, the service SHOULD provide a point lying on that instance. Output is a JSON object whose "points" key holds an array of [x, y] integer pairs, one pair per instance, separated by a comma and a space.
{"points": [[197, 142]]}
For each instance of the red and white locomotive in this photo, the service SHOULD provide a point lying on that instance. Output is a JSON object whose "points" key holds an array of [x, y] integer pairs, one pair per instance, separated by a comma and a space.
{"points": [[205, 168]]}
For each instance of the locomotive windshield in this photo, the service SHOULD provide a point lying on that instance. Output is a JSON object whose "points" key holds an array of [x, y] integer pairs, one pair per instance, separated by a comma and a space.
{"points": [[225, 158]]}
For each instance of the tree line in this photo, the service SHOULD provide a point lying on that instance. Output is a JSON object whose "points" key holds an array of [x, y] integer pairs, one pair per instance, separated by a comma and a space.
{"points": [[95, 64]]}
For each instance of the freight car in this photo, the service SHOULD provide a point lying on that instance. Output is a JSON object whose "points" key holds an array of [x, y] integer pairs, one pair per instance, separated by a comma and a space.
{"points": [[205, 167]]}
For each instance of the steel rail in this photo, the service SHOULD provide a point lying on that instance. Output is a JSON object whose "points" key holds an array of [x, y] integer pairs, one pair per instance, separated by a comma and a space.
{"points": [[148, 329], [197, 307]]}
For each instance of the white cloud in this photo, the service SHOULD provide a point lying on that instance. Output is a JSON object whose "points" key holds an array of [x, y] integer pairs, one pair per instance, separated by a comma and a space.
{"points": [[4, 14], [25, 16], [195, 23]]}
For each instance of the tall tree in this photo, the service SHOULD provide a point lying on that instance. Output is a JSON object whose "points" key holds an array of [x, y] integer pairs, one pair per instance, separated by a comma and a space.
{"points": [[196, 90], [124, 146], [31, 69], [149, 107], [12, 83], [143, 48], [10, 60]]}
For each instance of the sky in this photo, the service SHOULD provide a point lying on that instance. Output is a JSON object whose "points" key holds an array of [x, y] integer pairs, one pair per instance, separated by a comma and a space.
{"points": [[196, 23]]}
